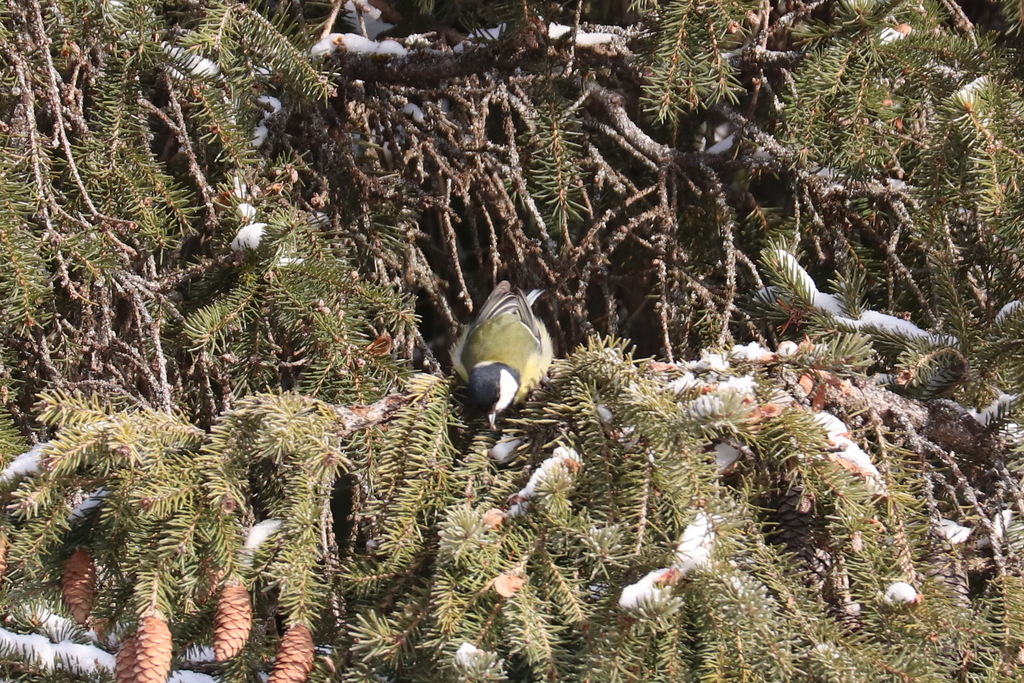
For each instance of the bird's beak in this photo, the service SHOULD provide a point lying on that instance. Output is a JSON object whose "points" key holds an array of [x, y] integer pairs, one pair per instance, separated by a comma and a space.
{"points": [[491, 417]]}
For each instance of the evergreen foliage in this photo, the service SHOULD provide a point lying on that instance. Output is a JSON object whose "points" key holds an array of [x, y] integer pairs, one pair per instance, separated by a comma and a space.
{"points": [[239, 244]]}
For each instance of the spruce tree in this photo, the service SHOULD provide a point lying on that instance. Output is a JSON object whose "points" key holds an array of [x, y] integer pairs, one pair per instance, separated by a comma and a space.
{"points": [[780, 247]]}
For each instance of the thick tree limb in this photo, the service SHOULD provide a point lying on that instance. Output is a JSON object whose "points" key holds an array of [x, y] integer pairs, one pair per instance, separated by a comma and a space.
{"points": [[943, 423]]}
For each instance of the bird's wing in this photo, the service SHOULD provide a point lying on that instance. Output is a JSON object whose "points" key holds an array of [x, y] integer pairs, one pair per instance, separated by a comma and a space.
{"points": [[500, 302], [504, 301], [524, 309]]}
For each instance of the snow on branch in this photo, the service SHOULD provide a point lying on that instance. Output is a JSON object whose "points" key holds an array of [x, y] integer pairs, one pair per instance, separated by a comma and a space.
{"points": [[26, 464], [562, 461], [653, 592]]}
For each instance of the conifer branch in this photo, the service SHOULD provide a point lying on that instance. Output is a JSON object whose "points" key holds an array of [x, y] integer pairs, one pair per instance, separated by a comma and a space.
{"points": [[177, 128], [737, 512], [360, 418], [947, 425]]}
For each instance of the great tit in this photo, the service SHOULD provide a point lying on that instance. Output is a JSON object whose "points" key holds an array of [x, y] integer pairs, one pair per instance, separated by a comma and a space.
{"points": [[505, 352]]}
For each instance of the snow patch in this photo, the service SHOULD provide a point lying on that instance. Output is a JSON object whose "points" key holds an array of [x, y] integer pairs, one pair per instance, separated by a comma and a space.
{"points": [[692, 552], [371, 18], [951, 531], [556, 31], [239, 188], [744, 386], [197, 65], [467, 654], [749, 352], [63, 655], [966, 95], [249, 237], [787, 349], [829, 303], [646, 590], [707, 406], [711, 361], [26, 464], [414, 111], [849, 454], [722, 146], [685, 383], [562, 459], [1000, 406], [190, 677], [890, 323], [488, 34], [356, 44], [833, 425], [725, 455], [504, 450], [391, 48], [1008, 310], [694, 548], [767, 295], [259, 135], [272, 102], [94, 500], [792, 266], [891, 35], [901, 593], [54, 625], [259, 533], [590, 39], [1000, 523], [200, 653], [247, 211]]}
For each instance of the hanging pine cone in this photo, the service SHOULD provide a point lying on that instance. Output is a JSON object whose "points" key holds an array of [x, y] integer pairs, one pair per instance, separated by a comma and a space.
{"points": [[294, 656], [78, 584], [4, 547], [232, 622], [124, 667], [153, 651], [208, 587], [790, 509], [949, 569]]}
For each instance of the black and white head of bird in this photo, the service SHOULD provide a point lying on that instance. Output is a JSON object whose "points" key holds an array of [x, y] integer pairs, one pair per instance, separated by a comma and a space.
{"points": [[493, 388]]}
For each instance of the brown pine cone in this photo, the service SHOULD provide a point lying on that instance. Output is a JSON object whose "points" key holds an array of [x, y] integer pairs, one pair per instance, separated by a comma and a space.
{"points": [[124, 667], [153, 651], [4, 547], [295, 656], [207, 588], [232, 623], [78, 584], [790, 509]]}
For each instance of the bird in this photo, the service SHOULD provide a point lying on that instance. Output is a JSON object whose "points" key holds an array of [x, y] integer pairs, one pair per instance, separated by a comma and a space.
{"points": [[505, 352]]}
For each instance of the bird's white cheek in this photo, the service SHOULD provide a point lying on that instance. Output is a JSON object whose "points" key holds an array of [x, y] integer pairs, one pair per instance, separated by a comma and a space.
{"points": [[508, 387]]}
